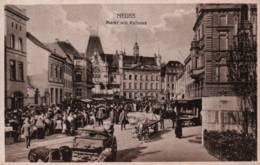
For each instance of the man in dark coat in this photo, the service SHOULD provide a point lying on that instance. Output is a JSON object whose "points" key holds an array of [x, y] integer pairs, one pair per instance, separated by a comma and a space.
{"points": [[123, 119], [178, 128], [162, 116]]}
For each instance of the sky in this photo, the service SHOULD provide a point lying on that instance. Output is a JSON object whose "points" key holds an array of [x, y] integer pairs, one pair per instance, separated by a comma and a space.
{"points": [[168, 29]]}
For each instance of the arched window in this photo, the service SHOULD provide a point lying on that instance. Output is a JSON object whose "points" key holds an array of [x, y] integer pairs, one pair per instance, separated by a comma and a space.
{"points": [[20, 44], [13, 41]]}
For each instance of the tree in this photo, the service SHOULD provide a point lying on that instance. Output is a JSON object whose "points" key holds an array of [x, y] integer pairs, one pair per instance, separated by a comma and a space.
{"points": [[242, 73]]}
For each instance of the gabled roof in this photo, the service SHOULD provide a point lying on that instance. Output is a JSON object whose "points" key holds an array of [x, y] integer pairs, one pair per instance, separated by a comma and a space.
{"points": [[57, 49]]}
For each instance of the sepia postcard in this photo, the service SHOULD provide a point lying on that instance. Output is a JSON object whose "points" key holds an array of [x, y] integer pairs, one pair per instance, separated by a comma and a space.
{"points": [[129, 81]]}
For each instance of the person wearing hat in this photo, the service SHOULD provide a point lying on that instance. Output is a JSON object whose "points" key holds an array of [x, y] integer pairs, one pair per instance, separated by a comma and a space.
{"points": [[100, 116], [26, 131], [123, 119]]}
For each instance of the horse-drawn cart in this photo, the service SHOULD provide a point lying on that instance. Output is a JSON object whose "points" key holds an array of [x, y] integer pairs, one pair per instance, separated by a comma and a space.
{"points": [[144, 130], [145, 126]]}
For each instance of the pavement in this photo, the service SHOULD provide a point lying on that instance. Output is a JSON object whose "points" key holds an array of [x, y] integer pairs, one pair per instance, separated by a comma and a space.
{"points": [[163, 146]]}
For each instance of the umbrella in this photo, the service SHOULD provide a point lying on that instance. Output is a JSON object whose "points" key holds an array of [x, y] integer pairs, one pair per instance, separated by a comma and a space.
{"points": [[86, 100]]}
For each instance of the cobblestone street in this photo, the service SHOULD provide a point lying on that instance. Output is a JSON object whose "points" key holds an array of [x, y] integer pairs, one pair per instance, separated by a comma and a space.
{"points": [[164, 146]]}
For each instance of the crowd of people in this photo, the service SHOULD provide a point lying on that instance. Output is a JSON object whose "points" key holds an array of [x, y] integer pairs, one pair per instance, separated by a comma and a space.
{"points": [[40, 121]]}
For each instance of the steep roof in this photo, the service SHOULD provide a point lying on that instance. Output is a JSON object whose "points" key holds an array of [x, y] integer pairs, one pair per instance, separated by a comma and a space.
{"points": [[57, 49], [94, 43], [68, 49], [37, 41], [130, 60]]}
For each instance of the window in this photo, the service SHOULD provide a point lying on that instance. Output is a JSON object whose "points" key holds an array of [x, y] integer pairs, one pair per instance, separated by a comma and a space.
{"points": [[12, 69], [20, 44], [141, 85], [223, 41], [135, 77], [52, 70], [146, 78], [223, 20], [152, 77], [13, 41], [222, 71], [61, 95], [130, 77], [78, 76], [135, 86], [56, 71], [12, 24], [130, 95], [244, 12], [146, 85], [130, 85], [61, 73], [20, 71], [78, 92], [196, 62], [51, 95], [141, 77], [151, 86], [16, 26], [156, 85], [20, 28]]}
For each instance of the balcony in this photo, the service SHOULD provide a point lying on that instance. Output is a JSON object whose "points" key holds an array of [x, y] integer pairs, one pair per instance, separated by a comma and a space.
{"points": [[195, 73]]}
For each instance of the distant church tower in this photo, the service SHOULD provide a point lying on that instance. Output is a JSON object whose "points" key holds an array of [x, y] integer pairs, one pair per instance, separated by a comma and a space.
{"points": [[136, 49]]}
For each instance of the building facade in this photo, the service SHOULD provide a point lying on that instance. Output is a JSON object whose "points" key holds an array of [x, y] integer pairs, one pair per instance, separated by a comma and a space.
{"points": [[141, 75], [48, 74], [131, 76], [70, 53], [15, 57], [169, 73], [82, 77], [207, 73]]}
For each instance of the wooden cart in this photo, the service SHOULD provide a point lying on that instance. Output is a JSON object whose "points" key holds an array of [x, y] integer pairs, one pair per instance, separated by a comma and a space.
{"points": [[145, 129]]}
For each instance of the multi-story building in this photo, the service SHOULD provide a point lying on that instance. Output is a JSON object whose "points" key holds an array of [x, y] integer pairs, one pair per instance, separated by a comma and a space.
{"points": [[15, 56], [82, 79], [46, 74], [70, 52], [100, 64], [131, 76], [215, 30], [189, 82], [169, 73], [141, 75]]}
